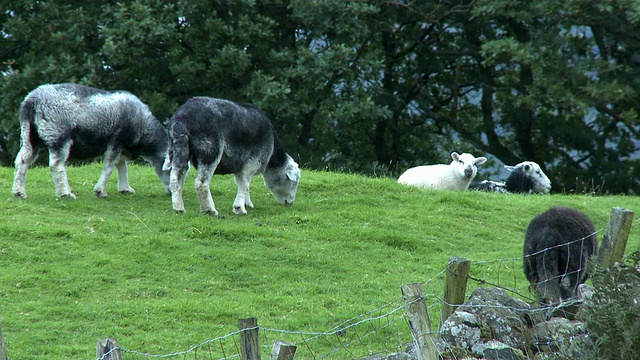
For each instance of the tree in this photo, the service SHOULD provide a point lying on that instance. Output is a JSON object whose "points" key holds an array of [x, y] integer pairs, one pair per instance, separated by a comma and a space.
{"points": [[366, 86]]}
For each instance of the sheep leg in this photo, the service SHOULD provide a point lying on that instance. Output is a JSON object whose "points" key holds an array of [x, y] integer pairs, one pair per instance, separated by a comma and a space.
{"points": [[123, 177], [242, 198], [575, 269], [243, 180], [111, 157], [26, 157], [57, 160], [203, 179], [548, 286], [176, 184]]}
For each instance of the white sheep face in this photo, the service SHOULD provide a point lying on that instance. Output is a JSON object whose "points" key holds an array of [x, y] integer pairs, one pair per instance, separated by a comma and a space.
{"points": [[540, 182], [283, 183], [466, 164]]}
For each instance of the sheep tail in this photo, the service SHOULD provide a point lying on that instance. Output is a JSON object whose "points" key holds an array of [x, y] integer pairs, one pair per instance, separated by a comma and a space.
{"points": [[27, 120]]}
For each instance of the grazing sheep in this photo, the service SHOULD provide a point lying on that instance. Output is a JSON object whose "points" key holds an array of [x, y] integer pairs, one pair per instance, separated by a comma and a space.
{"points": [[223, 137], [557, 246], [80, 122], [525, 178], [455, 176]]}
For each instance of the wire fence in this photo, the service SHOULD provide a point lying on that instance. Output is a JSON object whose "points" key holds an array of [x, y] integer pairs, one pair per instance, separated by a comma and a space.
{"points": [[385, 333], [382, 333]]}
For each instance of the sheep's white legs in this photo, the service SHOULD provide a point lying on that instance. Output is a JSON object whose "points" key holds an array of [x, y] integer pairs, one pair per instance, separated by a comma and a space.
{"points": [[203, 179], [243, 180], [57, 160], [26, 156], [176, 184], [113, 159], [123, 177]]}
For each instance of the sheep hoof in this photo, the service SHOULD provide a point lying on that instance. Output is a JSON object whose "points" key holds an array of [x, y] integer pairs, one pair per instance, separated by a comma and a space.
{"points": [[210, 212], [238, 210], [100, 194], [128, 191], [20, 195], [179, 211], [69, 195]]}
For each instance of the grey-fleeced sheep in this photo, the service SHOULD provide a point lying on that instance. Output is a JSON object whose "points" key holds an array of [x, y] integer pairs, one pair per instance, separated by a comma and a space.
{"points": [[223, 137], [524, 178], [454, 176], [557, 247], [79, 122]]}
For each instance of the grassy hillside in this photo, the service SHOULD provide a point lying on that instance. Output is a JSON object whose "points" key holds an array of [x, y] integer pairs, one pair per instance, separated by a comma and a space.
{"points": [[128, 267]]}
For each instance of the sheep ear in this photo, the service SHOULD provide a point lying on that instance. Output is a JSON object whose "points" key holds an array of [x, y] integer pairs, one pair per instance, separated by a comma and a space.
{"points": [[481, 160], [293, 173], [455, 156], [509, 167]]}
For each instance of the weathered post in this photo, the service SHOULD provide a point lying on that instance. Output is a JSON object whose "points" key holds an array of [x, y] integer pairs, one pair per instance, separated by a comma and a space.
{"points": [[249, 341], [108, 349], [3, 351], [419, 321], [282, 350], [455, 286], [615, 239]]}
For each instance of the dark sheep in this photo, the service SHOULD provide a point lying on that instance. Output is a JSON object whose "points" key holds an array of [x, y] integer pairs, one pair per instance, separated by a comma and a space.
{"points": [[224, 137], [525, 178], [557, 246], [80, 122]]}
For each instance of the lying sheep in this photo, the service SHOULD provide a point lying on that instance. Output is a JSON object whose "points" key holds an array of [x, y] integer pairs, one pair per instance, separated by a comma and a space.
{"points": [[455, 176], [557, 246], [223, 137], [80, 122], [524, 178]]}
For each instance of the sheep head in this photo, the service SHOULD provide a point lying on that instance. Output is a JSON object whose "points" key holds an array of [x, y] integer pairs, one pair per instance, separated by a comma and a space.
{"points": [[466, 164], [529, 176]]}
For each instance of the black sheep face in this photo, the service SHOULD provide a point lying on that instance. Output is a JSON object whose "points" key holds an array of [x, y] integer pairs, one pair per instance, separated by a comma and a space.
{"points": [[527, 177]]}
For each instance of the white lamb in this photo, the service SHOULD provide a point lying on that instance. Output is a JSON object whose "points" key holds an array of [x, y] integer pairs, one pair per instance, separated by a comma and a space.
{"points": [[455, 176]]}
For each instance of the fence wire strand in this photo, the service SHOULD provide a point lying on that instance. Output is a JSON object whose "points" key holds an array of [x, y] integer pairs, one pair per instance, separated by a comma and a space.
{"points": [[381, 331]]}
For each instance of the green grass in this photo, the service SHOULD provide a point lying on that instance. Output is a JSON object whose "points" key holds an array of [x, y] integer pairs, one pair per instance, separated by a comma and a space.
{"points": [[128, 267]]}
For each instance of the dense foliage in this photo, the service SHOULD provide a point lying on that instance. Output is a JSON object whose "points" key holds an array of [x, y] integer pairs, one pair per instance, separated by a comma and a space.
{"points": [[613, 316], [368, 86]]}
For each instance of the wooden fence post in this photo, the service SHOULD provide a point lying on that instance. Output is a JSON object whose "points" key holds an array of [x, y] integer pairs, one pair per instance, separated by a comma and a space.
{"points": [[249, 341], [3, 351], [419, 321], [108, 349], [282, 350], [615, 239], [455, 286]]}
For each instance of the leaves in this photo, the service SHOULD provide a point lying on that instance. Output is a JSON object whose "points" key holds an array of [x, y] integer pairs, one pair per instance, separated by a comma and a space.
{"points": [[391, 84]]}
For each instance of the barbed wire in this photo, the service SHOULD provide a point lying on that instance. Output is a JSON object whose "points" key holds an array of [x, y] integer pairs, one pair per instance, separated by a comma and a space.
{"points": [[340, 337], [108, 353], [193, 348]]}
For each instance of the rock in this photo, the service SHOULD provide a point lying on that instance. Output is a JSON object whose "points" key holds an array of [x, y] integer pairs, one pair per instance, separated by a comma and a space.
{"points": [[462, 330], [488, 314], [495, 350], [555, 334], [585, 292]]}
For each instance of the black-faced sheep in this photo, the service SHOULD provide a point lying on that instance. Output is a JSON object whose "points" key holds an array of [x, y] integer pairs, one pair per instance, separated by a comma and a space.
{"points": [[224, 137], [557, 246], [80, 122], [455, 176], [525, 178]]}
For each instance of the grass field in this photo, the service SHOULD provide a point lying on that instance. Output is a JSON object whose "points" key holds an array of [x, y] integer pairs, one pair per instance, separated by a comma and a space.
{"points": [[128, 267]]}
